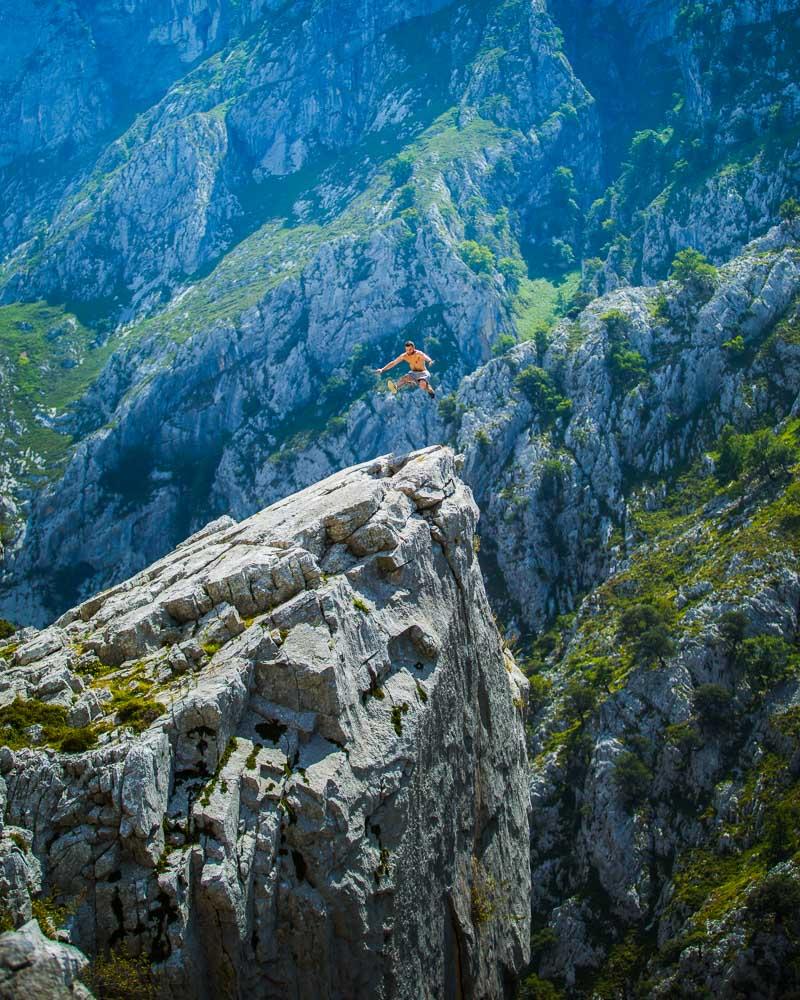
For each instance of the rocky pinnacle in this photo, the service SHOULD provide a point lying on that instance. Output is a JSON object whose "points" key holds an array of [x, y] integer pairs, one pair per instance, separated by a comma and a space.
{"points": [[305, 772]]}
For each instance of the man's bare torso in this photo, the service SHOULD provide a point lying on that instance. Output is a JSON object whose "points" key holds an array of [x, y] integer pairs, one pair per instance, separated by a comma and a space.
{"points": [[416, 360]]}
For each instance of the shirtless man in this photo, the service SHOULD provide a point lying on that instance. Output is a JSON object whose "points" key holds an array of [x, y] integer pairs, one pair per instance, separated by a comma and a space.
{"points": [[419, 374]]}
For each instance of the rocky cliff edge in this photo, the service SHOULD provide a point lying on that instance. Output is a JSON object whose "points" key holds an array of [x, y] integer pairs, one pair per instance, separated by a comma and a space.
{"points": [[286, 760]]}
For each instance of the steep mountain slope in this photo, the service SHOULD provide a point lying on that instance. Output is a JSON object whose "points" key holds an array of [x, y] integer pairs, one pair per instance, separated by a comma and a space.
{"points": [[665, 782], [72, 77], [344, 254], [231, 263], [561, 434], [286, 760], [714, 170]]}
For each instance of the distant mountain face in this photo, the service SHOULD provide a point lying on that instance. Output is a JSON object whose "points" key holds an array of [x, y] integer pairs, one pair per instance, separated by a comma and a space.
{"points": [[219, 217]]}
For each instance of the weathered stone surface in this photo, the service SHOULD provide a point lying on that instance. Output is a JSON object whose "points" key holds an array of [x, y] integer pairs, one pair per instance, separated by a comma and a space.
{"points": [[34, 967], [335, 771]]}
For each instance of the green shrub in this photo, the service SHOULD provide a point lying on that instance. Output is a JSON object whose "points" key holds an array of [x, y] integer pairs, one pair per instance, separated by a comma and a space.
{"points": [[535, 988], [659, 309], [449, 408], [692, 270], [49, 914], [733, 628], [539, 694], [401, 168], [782, 828], [734, 451], [540, 390], [541, 338], [712, 703], [622, 967], [626, 366], [684, 736], [397, 714], [503, 343], [579, 700], [616, 323], [20, 841], [635, 619], [778, 897], [559, 255], [483, 891], [789, 210], [477, 257], [654, 645], [117, 976], [513, 271], [735, 346], [769, 456], [554, 474], [632, 778], [406, 197], [765, 660], [542, 940], [6, 628], [646, 628], [78, 740], [135, 709], [575, 305], [562, 187]]}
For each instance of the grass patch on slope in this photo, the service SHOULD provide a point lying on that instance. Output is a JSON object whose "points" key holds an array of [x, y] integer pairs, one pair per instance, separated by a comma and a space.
{"points": [[539, 302], [18, 718], [51, 360]]}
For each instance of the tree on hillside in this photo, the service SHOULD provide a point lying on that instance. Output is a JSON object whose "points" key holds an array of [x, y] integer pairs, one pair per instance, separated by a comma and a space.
{"points": [[789, 210], [694, 272], [645, 627], [626, 366], [733, 628]]}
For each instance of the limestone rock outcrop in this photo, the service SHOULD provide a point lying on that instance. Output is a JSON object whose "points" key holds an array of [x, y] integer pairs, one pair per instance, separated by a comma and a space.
{"points": [[309, 772], [34, 967]]}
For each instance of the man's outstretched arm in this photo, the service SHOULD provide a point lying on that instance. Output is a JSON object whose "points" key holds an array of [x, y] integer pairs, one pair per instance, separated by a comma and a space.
{"points": [[391, 364]]}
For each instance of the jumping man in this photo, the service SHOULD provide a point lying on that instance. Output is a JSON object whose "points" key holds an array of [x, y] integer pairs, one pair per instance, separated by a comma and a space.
{"points": [[419, 374]]}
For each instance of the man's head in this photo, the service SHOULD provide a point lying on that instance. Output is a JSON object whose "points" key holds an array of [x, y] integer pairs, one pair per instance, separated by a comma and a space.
{"points": [[410, 347]]}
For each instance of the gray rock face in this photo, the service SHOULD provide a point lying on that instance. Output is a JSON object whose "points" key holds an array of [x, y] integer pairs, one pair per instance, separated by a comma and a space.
{"points": [[72, 77], [730, 149], [328, 797], [33, 966], [606, 866], [562, 528]]}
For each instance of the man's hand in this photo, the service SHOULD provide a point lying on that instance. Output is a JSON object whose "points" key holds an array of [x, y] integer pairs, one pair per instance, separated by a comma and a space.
{"points": [[379, 371]]}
